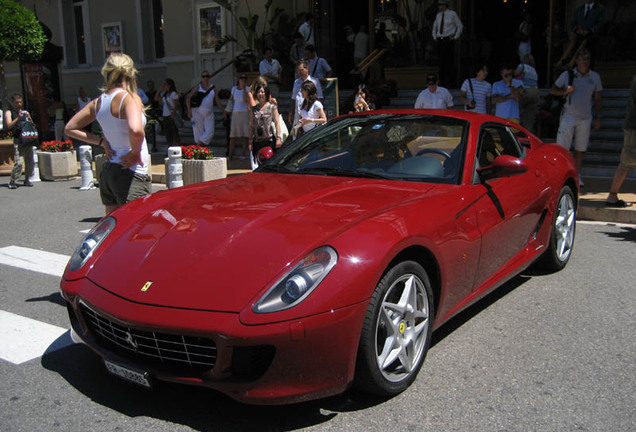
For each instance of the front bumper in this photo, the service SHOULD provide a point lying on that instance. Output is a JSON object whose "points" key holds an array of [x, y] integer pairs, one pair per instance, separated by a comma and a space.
{"points": [[275, 363]]}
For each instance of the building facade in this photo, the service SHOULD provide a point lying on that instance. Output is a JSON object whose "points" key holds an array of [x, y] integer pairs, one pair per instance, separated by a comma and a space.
{"points": [[176, 38]]}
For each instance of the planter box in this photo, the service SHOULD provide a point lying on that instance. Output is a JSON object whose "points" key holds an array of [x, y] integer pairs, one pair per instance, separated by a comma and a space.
{"points": [[197, 171], [57, 166], [7, 155]]}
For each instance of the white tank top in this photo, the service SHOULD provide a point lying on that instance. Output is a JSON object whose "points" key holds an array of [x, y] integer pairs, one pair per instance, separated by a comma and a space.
{"points": [[207, 102], [116, 132]]}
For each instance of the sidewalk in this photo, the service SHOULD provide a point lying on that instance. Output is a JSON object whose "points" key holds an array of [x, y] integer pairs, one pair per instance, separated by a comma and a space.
{"points": [[591, 202]]}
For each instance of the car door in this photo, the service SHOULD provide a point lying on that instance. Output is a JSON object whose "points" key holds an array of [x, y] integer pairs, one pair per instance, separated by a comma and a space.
{"points": [[509, 208]]}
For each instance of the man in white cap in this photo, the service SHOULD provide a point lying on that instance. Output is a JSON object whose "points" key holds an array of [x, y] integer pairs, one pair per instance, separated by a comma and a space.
{"points": [[446, 29]]}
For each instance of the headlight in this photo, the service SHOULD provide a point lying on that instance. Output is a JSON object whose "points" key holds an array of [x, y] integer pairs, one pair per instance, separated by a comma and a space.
{"points": [[296, 285], [91, 242]]}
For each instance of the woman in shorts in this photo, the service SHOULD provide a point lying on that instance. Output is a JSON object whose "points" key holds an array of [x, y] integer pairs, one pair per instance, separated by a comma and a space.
{"points": [[120, 114]]}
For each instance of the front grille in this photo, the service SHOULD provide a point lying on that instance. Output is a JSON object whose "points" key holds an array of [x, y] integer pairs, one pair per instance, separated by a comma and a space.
{"points": [[161, 349]]}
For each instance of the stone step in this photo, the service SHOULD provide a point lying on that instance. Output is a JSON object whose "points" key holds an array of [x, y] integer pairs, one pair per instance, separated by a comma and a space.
{"points": [[605, 146], [602, 170], [607, 134]]}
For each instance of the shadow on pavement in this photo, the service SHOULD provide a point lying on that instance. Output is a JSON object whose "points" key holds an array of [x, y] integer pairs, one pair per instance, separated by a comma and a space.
{"points": [[205, 409]]}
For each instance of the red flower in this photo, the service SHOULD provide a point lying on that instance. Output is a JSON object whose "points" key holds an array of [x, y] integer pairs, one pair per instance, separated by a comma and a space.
{"points": [[57, 146], [196, 152]]}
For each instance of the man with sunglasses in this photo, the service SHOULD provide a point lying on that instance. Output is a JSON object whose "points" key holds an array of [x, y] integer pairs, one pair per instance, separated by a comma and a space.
{"points": [[506, 93], [576, 116]]}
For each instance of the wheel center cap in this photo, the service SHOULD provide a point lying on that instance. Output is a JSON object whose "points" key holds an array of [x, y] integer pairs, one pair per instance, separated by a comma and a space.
{"points": [[402, 327]]}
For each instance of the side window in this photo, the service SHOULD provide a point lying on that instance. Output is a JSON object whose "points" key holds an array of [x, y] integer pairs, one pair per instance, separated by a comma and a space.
{"points": [[496, 141]]}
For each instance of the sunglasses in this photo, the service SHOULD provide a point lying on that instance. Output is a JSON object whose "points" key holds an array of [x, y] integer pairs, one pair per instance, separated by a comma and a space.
{"points": [[205, 76], [432, 83]]}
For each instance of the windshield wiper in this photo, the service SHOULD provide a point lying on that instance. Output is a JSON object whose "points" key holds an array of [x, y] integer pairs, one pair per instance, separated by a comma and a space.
{"points": [[342, 172]]}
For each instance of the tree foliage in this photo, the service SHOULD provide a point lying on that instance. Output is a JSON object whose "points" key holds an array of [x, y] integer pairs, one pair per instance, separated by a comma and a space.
{"points": [[21, 36]]}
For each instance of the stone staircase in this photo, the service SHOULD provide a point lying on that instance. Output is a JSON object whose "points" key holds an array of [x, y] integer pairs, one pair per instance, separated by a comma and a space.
{"points": [[600, 160], [603, 154]]}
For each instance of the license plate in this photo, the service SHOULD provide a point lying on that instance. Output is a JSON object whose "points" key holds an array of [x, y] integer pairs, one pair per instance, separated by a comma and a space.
{"points": [[128, 374]]}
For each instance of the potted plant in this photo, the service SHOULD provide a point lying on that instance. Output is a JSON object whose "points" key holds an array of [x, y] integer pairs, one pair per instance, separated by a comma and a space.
{"points": [[254, 37], [57, 160], [199, 165]]}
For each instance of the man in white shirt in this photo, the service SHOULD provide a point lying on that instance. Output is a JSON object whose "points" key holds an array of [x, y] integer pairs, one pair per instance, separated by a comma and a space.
{"points": [[580, 87], [302, 70], [446, 29], [307, 29], [318, 66], [270, 69], [434, 96]]}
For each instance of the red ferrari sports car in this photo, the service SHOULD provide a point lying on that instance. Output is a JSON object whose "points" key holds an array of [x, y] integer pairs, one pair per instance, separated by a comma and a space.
{"points": [[329, 266]]}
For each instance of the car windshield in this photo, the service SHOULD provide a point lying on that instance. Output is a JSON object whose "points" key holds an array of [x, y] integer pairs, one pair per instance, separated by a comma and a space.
{"points": [[412, 147]]}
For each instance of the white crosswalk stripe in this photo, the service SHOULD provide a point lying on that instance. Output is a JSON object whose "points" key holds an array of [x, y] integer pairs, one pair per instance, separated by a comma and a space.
{"points": [[24, 339], [34, 260]]}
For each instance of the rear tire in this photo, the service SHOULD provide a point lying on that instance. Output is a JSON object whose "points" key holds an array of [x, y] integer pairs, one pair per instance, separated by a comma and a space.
{"points": [[397, 331], [562, 233]]}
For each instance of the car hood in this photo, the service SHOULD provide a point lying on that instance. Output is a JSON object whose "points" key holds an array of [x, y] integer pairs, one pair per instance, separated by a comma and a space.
{"points": [[218, 247]]}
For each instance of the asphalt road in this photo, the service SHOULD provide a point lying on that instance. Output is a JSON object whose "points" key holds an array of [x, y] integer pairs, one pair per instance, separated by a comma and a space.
{"points": [[544, 353]]}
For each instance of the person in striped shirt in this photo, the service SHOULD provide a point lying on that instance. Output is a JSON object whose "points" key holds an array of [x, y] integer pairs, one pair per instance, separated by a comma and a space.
{"points": [[475, 92]]}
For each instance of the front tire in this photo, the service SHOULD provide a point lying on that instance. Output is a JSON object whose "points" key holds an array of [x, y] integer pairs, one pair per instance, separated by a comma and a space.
{"points": [[397, 331], [562, 233]]}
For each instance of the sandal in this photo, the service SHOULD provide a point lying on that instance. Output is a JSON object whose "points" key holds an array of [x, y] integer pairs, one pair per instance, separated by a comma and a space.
{"points": [[618, 204]]}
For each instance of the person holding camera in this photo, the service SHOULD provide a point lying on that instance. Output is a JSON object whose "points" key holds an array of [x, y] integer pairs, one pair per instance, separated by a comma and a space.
{"points": [[14, 119], [475, 92], [361, 100]]}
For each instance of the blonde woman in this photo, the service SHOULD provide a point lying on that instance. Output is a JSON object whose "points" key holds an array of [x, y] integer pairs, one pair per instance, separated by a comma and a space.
{"points": [[119, 111]]}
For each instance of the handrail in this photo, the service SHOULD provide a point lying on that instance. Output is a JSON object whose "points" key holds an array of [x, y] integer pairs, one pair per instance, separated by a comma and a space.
{"points": [[216, 72], [369, 60], [566, 61]]}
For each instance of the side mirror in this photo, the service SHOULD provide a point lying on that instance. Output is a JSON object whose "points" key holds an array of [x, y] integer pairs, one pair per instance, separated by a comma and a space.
{"points": [[503, 166]]}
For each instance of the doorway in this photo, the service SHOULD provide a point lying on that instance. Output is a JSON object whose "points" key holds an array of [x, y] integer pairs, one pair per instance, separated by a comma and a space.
{"points": [[335, 16], [493, 41]]}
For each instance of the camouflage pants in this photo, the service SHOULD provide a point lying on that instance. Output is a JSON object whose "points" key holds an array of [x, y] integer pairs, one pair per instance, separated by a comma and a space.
{"points": [[23, 159]]}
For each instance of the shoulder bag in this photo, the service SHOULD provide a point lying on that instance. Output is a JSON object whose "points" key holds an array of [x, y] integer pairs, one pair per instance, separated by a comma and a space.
{"points": [[28, 135], [197, 98]]}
